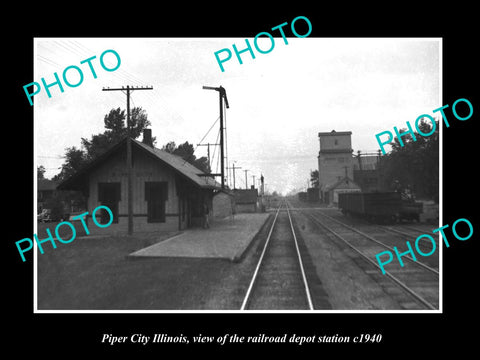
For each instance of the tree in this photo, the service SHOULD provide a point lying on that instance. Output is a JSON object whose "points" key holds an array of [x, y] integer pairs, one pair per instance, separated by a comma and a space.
{"points": [[169, 147], [314, 178], [41, 172], [415, 164], [186, 152], [115, 120], [115, 131], [75, 159], [202, 164]]}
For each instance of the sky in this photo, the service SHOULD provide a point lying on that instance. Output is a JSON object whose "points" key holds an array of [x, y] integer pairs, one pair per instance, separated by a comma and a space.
{"points": [[279, 101]]}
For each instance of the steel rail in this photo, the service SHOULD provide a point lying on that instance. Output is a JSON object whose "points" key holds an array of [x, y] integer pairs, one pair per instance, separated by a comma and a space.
{"points": [[305, 282], [419, 263], [259, 264], [416, 229], [388, 274], [254, 277], [388, 228]]}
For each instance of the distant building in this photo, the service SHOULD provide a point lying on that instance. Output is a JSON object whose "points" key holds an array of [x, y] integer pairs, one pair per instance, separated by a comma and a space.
{"points": [[343, 185], [302, 196], [46, 190], [61, 204], [313, 194], [168, 192], [246, 200]]}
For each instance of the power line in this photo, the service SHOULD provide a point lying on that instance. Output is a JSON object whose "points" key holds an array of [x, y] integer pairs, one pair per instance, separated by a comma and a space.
{"points": [[208, 152], [47, 61], [71, 49], [62, 48], [50, 157], [211, 127], [218, 157], [215, 150], [246, 181], [65, 48], [77, 45], [233, 168], [80, 45], [79, 49]]}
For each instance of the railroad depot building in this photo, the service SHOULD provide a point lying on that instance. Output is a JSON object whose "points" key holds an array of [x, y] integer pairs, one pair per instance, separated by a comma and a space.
{"points": [[168, 192]]}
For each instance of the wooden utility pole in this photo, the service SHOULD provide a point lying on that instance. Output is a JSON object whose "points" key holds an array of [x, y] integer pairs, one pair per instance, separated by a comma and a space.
{"points": [[208, 151], [222, 95], [246, 182], [128, 90], [234, 168]]}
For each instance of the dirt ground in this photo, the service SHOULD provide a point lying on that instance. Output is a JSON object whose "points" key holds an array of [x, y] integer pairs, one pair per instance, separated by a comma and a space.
{"points": [[95, 273], [348, 287]]}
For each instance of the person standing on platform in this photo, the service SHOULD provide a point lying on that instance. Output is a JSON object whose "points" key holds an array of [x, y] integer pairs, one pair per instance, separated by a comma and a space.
{"points": [[206, 212]]}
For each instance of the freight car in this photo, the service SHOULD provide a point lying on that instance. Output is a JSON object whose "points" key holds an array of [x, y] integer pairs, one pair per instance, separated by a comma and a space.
{"points": [[410, 210], [302, 196], [379, 206], [313, 194]]}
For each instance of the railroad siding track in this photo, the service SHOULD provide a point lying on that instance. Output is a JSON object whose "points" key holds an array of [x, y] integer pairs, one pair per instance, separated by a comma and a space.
{"points": [[406, 230], [412, 286], [426, 246], [392, 237]]}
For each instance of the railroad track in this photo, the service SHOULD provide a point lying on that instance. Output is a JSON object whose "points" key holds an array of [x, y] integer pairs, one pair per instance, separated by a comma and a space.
{"points": [[408, 235], [279, 281], [417, 230], [387, 242], [406, 230], [419, 283]]}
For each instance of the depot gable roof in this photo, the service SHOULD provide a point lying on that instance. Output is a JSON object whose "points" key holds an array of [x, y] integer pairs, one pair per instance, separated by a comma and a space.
{"points": [[176, 163]]}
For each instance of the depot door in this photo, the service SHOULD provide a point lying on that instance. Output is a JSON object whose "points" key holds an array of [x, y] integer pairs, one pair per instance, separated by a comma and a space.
{"points": [[156, 194], [109, 195]]}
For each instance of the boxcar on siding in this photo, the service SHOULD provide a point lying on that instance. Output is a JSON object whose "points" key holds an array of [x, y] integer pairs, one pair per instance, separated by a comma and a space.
{"points": [[379, 206]]}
